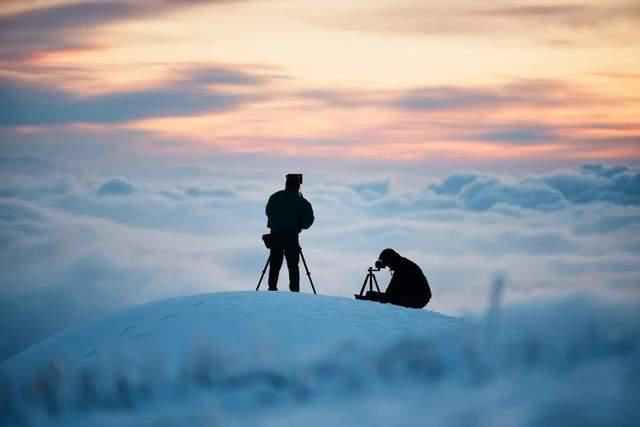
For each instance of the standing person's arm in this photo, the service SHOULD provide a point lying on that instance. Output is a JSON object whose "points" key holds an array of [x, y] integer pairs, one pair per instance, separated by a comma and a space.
{"points": [[306, 214], [268, 210]]}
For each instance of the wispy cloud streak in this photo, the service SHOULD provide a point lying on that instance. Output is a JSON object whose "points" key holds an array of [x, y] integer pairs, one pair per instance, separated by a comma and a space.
{"points": [[32, 104], [66, 26]]}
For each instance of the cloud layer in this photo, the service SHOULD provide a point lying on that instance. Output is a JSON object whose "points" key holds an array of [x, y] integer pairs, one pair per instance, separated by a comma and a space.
{"points": [[77, 245], [618, 185]]}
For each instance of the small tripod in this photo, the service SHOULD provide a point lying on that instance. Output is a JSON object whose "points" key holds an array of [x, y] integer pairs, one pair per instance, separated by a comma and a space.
{"points": [[371, 279], [266, 265]]}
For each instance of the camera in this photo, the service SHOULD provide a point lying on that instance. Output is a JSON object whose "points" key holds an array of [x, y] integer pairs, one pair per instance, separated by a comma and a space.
{"points": [[268, 240], [379, 265]]}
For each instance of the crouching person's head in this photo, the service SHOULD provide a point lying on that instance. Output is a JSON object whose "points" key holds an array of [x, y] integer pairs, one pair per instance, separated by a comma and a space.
{"points": [[389, 258]]}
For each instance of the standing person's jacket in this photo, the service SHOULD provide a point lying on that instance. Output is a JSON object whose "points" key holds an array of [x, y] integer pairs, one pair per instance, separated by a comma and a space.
{"points": [[408, 286], [288, 212]]}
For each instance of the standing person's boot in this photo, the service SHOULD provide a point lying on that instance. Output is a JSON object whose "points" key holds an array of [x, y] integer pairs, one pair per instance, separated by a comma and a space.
{"points": [[294, 280], [275, 264], [292, 254]]}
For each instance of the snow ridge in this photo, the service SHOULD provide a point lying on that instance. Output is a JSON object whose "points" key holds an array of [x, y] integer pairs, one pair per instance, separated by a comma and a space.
{"points": [[329, 361]]}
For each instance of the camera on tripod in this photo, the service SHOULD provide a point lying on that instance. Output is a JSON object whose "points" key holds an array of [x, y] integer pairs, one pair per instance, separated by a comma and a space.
{"points": [[370, 279]]}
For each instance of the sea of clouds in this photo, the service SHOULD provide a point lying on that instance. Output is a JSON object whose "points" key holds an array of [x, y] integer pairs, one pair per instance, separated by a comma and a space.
{"points": [[75, 244]]}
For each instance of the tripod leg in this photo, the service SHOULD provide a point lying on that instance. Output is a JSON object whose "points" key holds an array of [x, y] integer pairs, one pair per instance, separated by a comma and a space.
{"points": [[307, 270], [263, 271], [376, 282], [363, 285]]}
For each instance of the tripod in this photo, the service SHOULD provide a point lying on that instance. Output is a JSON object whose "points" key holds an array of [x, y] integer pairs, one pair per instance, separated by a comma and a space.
{"points": [[266, 265], [371, 279]]}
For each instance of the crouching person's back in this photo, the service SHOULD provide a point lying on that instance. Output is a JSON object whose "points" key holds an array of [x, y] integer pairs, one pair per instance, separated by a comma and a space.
{"points": [[408, 286]]}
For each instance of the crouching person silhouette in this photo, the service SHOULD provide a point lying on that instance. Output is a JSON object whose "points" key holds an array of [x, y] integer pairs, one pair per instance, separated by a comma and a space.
{"points": [[408, 286], [288, 213]]}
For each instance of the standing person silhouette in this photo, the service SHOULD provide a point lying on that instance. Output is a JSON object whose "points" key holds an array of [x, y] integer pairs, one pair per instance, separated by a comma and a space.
{"points": [[288, 213]]}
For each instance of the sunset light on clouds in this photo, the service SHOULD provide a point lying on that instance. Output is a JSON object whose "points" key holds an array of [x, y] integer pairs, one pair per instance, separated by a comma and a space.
{"points": [[140, 140], [423, 79]]}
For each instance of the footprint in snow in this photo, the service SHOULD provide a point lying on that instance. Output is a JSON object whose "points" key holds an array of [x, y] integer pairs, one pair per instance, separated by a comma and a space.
{"points": [[127, 329], [169, 316]]}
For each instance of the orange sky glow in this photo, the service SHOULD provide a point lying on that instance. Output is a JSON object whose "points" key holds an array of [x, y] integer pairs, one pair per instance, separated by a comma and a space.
{"points": [[528, 79]]}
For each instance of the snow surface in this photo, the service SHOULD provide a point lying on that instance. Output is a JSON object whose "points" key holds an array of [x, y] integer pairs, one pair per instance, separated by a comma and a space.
{"points": [[274, 359]]}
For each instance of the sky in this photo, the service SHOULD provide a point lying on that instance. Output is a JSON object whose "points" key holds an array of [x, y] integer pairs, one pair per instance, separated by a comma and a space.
{"points": [[139, 141]]}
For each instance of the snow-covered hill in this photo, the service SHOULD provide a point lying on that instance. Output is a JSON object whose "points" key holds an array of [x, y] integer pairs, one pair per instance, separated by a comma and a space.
{"points": [[249, 358]]}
